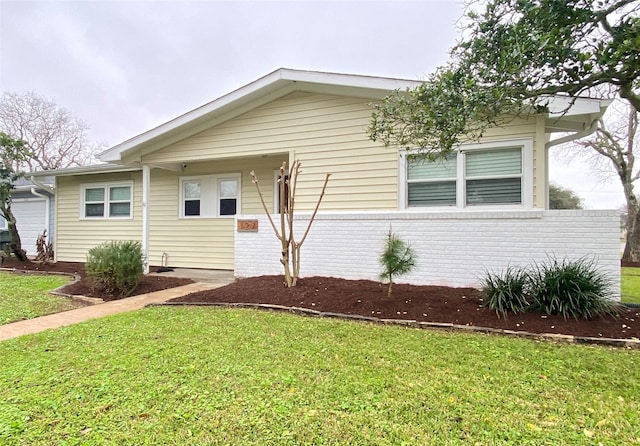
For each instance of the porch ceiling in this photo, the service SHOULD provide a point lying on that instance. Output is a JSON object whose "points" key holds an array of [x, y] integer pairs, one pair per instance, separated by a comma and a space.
{"points": [[183, 165]]}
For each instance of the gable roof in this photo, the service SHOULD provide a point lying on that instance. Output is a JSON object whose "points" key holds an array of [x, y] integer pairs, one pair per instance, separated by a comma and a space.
{"points": [[576, 115], [272, 86]]}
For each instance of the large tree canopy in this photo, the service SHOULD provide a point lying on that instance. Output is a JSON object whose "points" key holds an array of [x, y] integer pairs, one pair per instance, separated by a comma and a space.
{"points": [[53, 135], [512, 56]]}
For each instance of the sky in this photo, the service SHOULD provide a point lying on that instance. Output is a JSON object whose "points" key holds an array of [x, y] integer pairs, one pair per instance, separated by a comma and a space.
{"points": [[125, 67]]}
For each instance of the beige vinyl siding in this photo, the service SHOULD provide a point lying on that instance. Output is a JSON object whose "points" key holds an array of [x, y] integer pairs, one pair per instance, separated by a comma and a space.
{"points": [[74, 235], [203, 242], [327, 133]]}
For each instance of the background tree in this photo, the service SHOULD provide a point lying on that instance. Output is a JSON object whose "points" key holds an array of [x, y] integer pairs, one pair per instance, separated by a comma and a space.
{"points": [[13, 153], [55, 137], [611, 151], [563, 198], [512, 56]]}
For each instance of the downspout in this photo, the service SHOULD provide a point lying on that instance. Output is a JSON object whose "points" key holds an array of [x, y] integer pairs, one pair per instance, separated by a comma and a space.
{"points": [[146, 173], [572, 137], [50, 190], [47, 220]]}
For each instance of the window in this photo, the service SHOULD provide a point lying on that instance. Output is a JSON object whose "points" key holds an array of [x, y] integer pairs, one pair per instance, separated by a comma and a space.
{"points": [[432, 183], [494, 177], [210, 196], [228, 196], [3, 223], [191, 191], [488, 174], [107, 201]]}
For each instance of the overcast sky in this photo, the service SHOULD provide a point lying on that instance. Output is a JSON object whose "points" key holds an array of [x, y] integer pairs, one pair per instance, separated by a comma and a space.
{"points": [[127, 66]]}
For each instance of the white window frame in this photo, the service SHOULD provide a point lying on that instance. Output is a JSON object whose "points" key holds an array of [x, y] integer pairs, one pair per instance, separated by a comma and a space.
{"points": [[106, 187], [526, 146], [209, 195]]}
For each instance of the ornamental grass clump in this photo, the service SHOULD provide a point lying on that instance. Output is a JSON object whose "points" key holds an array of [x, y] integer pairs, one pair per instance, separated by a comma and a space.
{"points": [[115, 267], [572, 288], [507, 292], [397, 260]]}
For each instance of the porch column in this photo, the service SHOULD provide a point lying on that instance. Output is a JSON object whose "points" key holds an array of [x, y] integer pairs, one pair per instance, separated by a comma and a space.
{"points": [[146, 174]]}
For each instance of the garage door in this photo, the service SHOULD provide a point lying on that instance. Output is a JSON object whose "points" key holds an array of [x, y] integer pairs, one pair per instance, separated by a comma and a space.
{"points": [[31, 219]]}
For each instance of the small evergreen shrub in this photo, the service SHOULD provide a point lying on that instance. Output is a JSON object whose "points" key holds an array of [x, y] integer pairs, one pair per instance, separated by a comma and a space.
{"points": [[572, 288], [397, 259], [507, 292], [115, 267]]}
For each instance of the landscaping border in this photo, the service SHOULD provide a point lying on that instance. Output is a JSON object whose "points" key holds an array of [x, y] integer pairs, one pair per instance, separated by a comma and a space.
{"points": [[550, 337]]}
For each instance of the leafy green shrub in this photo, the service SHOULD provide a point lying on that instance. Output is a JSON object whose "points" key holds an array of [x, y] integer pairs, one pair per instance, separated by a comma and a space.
{"points": [[571, 288], [115, 267], [397, 259], [506, 292]]}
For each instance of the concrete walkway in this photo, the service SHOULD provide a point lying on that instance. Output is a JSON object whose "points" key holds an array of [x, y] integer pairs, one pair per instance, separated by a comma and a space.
{"points": [[65, 318]]}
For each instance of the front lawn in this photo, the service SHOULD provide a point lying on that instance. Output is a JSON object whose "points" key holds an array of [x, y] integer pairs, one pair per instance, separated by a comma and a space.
{"points": [[630, 287], [27, 296], [209, 376]]}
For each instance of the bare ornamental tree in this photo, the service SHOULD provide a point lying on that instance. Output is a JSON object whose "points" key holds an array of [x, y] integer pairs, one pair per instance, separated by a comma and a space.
{"points": [[290, 253]]}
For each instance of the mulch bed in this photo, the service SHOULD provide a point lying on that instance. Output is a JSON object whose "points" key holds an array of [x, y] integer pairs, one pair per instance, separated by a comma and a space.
{"points": [[147, 284], [461, 306]]}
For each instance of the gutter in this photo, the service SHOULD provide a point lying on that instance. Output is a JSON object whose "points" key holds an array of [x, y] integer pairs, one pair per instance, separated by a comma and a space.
{"points": [[41, 186], [586, 132]]}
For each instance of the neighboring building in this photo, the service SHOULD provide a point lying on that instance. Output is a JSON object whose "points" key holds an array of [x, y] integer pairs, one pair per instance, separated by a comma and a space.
{"points": [[181, 187], [33, 207]]}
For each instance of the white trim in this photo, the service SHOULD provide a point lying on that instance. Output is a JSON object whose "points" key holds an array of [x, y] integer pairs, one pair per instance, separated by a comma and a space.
{"points": [[146, 181], [209, 195], [279, 82], [526, 145], [106, 186]]}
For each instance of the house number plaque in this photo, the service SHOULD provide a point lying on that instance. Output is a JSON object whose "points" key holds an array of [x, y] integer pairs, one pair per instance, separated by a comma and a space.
{"points": [[247, 225]]}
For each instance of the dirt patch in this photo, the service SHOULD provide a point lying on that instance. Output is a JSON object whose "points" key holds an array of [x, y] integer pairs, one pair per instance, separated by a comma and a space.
{"points": [[147, 284], [462, 306]]}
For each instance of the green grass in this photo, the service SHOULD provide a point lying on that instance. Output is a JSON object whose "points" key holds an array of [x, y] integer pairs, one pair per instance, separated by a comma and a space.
{"points": [[206, 376], [27, 296], [630, 287]]}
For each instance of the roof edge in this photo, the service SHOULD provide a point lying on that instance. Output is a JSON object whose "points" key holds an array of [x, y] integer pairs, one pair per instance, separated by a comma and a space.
{"points": [[278, 78]]}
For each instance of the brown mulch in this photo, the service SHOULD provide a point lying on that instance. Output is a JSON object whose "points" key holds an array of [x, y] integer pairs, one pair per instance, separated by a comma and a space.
{"points": [[462, 306], [147, 284]]}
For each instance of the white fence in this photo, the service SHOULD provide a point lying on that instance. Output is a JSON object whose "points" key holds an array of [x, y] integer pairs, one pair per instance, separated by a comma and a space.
{"points": [[453, 248]]}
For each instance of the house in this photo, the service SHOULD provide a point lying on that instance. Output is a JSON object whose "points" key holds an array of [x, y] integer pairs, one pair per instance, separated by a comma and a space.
{"points": [[184, 188], [33, 205]]}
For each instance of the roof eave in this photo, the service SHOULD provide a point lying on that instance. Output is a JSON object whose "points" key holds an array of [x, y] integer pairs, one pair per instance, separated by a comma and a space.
{"points": [[283, 80]]}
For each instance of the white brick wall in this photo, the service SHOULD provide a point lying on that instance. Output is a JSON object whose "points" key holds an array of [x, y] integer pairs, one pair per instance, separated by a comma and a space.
{"points": [[453, 248]]}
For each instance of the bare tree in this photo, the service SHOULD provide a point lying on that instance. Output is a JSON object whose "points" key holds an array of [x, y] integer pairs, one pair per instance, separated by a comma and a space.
{"points": [[290, 253], [55, 137], [615, 144]]}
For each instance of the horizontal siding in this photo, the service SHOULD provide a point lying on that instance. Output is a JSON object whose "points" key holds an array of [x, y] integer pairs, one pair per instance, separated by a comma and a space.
{"points": [[74, 236], [326, 133], [203, 242]]}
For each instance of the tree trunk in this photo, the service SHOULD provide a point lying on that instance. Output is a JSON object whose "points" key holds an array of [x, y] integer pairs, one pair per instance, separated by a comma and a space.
{"points": [[632, 246], [15, 246]]}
